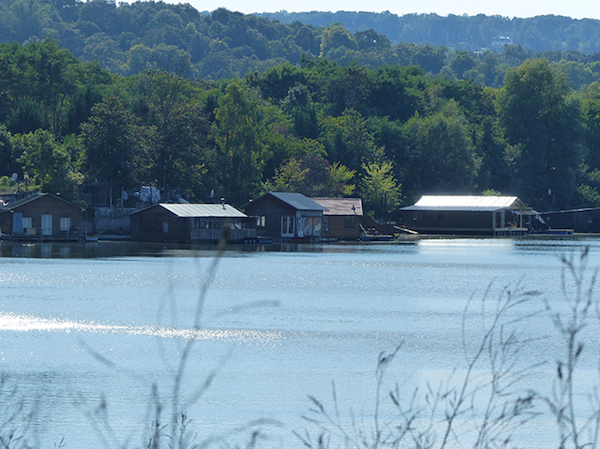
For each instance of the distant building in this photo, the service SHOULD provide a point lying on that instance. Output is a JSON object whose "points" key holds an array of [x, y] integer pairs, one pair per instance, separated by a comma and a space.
{"points": [[283, 215], [342, 218], [189, 223], [499, 42], [476, 215], [41, 216]]}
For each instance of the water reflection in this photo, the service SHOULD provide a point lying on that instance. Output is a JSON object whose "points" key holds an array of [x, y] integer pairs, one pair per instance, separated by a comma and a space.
{"points": [[28, 323], [107, 249], [116, 249]]}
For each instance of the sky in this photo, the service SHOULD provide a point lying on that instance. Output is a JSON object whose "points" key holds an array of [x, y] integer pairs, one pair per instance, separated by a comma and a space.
{"points": [[577, 9]]}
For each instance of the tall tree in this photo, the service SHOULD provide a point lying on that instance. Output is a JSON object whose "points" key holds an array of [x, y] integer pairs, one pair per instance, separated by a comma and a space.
{"points": [[241, 154], [115, 146], [379, 189], [539, 115], [441, 153], [8, 158], [47, 162], [347, 140], [183, 151]]}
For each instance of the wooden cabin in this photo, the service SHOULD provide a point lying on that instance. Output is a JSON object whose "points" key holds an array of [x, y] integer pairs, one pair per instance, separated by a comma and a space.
{"points": [[189, 223], [342, 218], [41, 216], [287, 216], [475, 215]]}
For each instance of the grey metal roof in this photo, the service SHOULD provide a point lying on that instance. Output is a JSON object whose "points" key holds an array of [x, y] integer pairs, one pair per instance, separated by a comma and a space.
{"points": [[204, 210], [34, 196], [298, 201], [340, 206], [466, 203]]}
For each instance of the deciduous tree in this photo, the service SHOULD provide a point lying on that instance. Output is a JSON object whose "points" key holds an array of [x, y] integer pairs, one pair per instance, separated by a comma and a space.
{"points": [[115, 146], [539, 114]]}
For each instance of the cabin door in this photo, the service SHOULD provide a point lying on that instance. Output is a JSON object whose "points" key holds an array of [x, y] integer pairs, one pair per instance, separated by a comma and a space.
{"points": [[46, 224], [17, 223], [287, 226]]}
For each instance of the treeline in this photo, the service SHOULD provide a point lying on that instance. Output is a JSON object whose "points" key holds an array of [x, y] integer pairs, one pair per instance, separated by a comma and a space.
{"points": [[387, 134], [129, 38], [473, 33]]}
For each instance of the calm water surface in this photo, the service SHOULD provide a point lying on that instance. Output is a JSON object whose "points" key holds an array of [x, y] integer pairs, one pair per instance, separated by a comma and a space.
{"points": [[88, 325]]}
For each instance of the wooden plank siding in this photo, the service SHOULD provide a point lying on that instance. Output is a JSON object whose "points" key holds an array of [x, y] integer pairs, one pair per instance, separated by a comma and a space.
{"points": [[450, 222], [277, 218], [469, 214], [342, 219], [43, 216], [341, 227], [268, 214], [157, 224], [189, 223]]}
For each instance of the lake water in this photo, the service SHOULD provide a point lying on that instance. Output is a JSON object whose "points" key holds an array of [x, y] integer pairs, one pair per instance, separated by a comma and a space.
{"points": [[87, 330]]}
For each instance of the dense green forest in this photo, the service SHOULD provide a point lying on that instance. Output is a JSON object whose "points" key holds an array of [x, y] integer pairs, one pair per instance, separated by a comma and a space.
{"points": [[128, 38], [162, 95], [386, 134]]}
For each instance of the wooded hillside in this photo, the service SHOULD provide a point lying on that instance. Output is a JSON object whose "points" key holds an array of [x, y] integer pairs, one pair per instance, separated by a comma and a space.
{"points": [[474, 33], [387, 134], [388, 123], [128, 38]]}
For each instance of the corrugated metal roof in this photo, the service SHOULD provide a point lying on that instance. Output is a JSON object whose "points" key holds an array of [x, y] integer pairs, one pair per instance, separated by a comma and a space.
{"points": [[204, 210], [298, 201], [466, 203], [340, 206]]}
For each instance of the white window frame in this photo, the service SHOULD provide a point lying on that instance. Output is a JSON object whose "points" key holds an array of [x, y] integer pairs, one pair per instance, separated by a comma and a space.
{"points": [[65, 223]]}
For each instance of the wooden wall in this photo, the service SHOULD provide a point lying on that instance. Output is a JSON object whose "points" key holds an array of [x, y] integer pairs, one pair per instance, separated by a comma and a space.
{"points": [[45, 205], [474, 222], [272, 209], [342, 227], [147, 226]]}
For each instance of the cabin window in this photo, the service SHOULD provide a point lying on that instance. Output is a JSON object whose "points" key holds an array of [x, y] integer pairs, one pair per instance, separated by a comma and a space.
{"points": [[65, 223], [315, 225], [349, 222], [27, 223], [325, 223], [261, 221], [165, 226]]}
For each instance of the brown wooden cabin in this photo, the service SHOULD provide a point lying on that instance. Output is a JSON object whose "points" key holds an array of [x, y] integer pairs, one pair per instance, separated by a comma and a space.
{"points": [[342, 219], [41, 216], [189, 223], [288, 216], [475, 215]]}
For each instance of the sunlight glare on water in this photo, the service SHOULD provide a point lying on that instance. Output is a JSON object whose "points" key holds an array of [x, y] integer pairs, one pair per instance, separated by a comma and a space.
{"points": [[28, 323], [278, 324]]}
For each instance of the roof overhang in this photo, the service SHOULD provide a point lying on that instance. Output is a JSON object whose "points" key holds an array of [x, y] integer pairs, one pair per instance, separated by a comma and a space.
{"points": [[460, 203]]}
